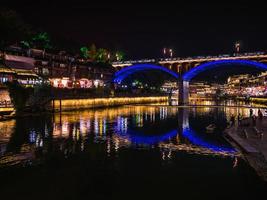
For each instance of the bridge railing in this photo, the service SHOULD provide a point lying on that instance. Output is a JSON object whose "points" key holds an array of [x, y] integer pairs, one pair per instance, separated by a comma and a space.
{"points": [[217, 56], [190, 58], [135, 61]]}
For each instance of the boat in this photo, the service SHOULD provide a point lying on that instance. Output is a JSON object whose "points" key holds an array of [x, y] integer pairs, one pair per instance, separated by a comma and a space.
{"points": [[210, 128]]}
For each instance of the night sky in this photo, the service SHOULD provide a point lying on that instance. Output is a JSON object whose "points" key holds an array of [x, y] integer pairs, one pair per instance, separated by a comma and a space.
{"points": [[143, 29]]}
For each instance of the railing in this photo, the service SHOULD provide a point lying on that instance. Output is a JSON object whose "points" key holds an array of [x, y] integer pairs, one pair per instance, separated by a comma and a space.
{"points": [[135, 61], [190, 58]]}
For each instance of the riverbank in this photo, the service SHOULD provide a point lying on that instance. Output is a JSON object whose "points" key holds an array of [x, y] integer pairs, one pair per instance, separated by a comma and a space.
{"points": [[252, 141], [254, 100], [75, 104], [79, 104]]}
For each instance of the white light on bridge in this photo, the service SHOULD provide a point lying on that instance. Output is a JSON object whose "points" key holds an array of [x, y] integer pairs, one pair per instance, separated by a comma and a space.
{"points": [[164, 51], [237, 46], [171, 52]]}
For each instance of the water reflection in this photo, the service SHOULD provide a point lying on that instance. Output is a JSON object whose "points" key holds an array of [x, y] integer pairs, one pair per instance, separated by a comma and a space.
{"points": [[195, 139], [104, 132]]}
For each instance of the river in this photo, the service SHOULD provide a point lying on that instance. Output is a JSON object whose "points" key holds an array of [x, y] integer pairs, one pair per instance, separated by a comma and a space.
{"points": [[130, 152]]}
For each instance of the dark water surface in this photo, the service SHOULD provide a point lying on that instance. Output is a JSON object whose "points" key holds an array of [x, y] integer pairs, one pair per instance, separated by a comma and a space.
{"points": [[129, 152]]}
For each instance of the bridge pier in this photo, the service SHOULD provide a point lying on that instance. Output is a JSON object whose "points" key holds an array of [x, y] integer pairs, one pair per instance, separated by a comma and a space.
{"points": [[183, 92]]}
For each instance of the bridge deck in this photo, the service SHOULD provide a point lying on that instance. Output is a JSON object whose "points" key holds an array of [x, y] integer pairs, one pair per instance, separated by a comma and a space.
{"points": [[198, 59]]}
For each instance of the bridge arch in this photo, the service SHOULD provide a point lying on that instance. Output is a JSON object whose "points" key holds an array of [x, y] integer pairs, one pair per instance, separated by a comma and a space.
{"points": [[221, 63], [119, 76], [188, 76]]}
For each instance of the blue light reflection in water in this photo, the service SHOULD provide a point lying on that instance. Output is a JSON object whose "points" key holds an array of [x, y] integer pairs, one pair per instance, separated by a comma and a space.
{"points": [[195, 139], [141, 138]]}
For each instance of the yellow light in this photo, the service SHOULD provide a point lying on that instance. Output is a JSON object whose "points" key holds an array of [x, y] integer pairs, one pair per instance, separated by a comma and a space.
{"points": [[70, 104], [7, 109]]}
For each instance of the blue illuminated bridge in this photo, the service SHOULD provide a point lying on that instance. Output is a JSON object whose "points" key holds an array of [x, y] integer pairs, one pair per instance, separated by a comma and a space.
{"points": [[185, 69]]}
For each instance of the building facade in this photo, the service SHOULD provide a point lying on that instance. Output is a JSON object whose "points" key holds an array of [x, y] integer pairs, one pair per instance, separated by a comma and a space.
{"points": [[61, 70]]}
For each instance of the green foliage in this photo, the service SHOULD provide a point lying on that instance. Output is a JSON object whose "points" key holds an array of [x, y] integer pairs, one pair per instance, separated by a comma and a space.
{"points": [[102, 55], [41, 36], [84, 52], [94, 54], [25, 44], [41, 40], [120, 55]]}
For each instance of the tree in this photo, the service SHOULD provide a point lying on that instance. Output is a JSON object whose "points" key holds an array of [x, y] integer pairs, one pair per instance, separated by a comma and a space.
{"points": [[84, 52], [41, 41], [25, 44], [102, 55], [119, 55], [92, 54]]}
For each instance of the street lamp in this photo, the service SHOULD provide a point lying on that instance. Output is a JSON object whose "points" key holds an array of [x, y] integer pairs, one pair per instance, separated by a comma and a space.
{"points": [[117, 56], [168, 52], [164, 52], [237, 47], [171, 53]]}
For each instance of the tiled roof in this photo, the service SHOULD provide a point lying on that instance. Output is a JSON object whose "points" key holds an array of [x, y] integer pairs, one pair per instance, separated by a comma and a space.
{"points": [[19, 65]]}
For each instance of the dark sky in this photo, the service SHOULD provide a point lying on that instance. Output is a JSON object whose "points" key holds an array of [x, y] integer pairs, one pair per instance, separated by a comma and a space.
{"points": [[143, 29]]}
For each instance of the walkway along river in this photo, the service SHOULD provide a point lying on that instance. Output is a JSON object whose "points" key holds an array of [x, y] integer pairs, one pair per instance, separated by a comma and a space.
{"points": [[252, 140]]}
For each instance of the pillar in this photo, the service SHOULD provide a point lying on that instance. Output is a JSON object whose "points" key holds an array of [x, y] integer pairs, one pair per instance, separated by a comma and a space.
{"points": [[183, 92]]}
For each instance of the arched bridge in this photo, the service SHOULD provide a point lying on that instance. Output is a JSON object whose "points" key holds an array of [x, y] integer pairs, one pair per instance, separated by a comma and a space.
{"points": [[125, 72], [186, 69]]}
